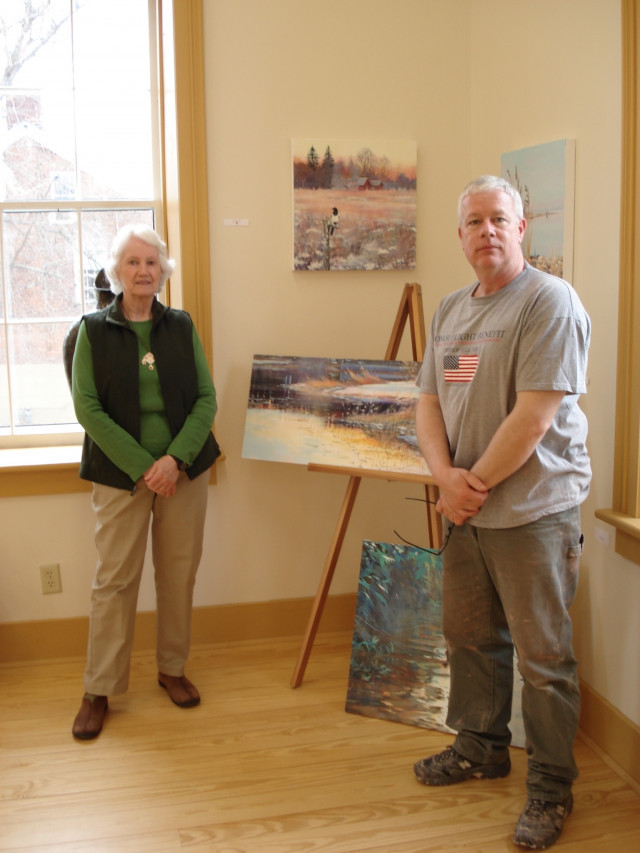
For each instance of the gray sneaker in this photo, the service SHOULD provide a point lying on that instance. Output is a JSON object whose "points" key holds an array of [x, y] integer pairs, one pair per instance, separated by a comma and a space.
{"points": [[540, 824], [449, 767]]}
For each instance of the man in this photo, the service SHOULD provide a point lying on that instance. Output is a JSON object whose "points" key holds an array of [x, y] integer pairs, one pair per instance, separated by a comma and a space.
{"points": [[499, 426]]}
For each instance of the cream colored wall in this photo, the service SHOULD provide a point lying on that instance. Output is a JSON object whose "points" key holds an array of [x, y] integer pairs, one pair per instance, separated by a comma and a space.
{"points": [[466, 81], [283, 69]]}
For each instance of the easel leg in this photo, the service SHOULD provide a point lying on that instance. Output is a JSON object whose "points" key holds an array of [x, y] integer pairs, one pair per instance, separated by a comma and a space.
{"points": [[325, 581], [434, 519]]}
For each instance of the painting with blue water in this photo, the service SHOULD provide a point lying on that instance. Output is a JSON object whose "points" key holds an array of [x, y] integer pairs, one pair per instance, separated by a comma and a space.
{"points": [[349, 413]]}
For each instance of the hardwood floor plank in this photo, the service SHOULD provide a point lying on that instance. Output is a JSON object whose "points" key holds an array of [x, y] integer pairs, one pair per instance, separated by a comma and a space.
{"points": [[256, 768]]}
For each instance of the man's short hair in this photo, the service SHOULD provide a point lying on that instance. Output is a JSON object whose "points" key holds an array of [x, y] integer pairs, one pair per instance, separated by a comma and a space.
{"points": [[490, 183]]}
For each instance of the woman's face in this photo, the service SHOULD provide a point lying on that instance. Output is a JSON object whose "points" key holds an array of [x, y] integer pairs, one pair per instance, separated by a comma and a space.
{"points": [[139, 270]]}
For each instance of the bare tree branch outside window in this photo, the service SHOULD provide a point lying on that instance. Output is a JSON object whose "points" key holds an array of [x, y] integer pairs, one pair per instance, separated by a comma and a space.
{"points": [[71, 174]]}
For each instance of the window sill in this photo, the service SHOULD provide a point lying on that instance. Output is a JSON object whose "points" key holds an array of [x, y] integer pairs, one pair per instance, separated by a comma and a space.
{"points": [[48, 471], [41, 471], [627, 533]]}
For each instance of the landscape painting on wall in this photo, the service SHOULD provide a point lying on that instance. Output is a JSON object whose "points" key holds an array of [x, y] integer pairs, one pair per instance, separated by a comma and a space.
{"points": [[341, 412], [545, 177], [354, 204], [399, 664]]}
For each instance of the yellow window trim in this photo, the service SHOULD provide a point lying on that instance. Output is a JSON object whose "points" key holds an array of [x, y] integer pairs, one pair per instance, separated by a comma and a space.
{"points": [[54, 470], [625, 512], [627, 542]]}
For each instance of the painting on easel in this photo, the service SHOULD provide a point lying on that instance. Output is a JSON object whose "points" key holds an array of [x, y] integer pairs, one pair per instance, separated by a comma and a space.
{"points": [[341, 412], [399, 665], [354, 204]]}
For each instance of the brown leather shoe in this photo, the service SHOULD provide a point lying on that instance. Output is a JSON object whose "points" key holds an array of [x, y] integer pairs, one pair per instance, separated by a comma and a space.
{"points": [[181, 691], [90, 718]]}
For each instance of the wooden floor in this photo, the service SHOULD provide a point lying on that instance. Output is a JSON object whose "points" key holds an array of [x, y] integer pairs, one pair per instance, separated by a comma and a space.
{"points": [[257, 768]]}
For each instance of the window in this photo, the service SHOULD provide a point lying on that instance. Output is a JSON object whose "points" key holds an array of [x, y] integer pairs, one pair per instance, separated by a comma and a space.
{"points": [[79, 137], [625, 512], [180, 68]]}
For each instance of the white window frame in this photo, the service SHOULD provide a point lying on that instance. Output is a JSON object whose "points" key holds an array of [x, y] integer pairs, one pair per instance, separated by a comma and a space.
{"points": [[182, 141]]}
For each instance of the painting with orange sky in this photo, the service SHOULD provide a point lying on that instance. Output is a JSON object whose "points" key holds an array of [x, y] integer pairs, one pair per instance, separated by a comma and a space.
{"points": [[354, 204]]}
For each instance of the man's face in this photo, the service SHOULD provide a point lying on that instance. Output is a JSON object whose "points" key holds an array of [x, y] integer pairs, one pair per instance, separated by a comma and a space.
{"points": [[491, 234]]}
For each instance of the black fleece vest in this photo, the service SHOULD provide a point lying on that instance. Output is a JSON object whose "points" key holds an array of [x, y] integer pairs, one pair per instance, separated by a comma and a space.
{"points": [[114, 347]]}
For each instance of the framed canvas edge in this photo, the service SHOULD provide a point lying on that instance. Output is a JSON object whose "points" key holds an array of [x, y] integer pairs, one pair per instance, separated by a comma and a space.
{"points": [[569, 208]]}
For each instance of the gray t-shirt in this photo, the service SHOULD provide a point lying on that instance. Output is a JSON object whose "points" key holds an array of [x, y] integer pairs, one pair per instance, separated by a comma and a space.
{"points": [[532, 335]]}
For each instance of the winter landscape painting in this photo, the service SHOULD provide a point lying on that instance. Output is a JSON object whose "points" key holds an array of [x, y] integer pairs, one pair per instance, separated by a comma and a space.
{"points": [[341, 412], [354, 204], [399, 666], [545, 177]]}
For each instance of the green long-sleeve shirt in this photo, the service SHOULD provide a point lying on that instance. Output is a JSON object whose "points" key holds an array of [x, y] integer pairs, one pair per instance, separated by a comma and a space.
{"points": [[131, 456]]}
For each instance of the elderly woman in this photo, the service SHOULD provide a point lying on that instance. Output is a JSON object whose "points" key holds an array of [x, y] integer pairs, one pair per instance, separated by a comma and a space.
{"points": [[144, 395]]}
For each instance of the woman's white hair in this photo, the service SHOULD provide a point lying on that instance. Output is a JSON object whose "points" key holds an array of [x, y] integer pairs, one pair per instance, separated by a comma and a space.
{"points": [[490, 183], [148, 236]]}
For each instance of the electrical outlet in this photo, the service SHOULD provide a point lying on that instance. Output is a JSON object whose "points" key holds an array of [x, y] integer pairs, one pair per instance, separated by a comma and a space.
{"points": [[50, 578]]}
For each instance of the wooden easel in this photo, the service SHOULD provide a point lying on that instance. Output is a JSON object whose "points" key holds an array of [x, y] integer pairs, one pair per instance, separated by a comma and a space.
{"points": [[410, 309]]}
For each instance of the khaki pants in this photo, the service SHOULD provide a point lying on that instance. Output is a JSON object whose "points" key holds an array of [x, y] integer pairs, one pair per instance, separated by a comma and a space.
{"points": [[122, 525]]}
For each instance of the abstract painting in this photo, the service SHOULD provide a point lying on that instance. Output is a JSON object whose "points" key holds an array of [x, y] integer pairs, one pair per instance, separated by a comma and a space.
{"points": [[399, 664], [341, 412], [354, 204], [545, 177]]}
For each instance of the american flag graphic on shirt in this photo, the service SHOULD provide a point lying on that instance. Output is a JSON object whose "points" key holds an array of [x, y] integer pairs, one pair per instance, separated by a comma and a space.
{"points": [[459, 368]]}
